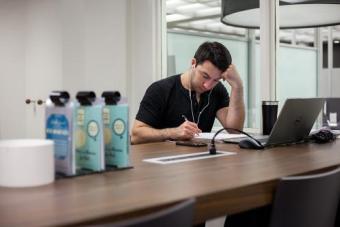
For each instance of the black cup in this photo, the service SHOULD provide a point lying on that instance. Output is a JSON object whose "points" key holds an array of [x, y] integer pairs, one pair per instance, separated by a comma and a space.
{"points": [[269, 115]]}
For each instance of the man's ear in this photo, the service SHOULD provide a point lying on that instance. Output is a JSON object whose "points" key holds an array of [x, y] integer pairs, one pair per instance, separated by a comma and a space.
{"points": [[193, 63]]}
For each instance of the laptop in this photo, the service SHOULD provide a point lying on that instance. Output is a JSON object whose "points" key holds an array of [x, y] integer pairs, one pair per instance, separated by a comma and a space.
{"points": [[294, 123]]}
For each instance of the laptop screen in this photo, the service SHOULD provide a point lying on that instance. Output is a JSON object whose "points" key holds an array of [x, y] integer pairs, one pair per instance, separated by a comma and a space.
{"points": [[295, 121]]}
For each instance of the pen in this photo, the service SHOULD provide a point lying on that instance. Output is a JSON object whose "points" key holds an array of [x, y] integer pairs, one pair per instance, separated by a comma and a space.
{"points": [[185, 118]]}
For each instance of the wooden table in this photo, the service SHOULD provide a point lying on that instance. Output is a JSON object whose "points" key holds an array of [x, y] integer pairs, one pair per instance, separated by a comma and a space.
{"points": [[228, 184]]}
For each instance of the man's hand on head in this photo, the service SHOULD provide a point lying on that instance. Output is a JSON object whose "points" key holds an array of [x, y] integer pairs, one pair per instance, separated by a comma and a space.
{"points": [[232, 77]]}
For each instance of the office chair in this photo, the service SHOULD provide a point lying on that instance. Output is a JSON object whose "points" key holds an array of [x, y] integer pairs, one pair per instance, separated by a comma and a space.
{"points": [[178, 215], [309, 200]]}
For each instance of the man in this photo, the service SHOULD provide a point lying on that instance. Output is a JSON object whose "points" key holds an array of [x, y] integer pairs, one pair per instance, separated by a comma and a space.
{"points": [[181, 106]]}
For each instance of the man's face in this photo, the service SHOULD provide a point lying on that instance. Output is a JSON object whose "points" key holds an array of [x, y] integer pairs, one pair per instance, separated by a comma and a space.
{"points": [[204, 76]]}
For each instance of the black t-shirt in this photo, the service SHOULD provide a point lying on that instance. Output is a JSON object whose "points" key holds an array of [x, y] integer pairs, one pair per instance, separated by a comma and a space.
{"points": [[166, 100]]}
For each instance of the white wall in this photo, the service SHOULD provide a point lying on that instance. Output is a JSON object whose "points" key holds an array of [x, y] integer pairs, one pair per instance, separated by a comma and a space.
{"points": [[329, 88], [144, 59], [12, 67], [94, 45], [43, 59], [73, 45]]}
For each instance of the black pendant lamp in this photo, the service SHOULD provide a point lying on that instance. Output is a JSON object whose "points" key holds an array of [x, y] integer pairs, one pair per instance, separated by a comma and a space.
{"points": [[293, 13]]}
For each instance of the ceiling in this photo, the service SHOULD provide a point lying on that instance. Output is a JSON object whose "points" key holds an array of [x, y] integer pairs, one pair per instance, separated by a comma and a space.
{"points": [[204, 16]]}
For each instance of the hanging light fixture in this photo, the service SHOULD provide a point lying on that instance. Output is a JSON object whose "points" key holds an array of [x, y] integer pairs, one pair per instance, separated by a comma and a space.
{"points": [[293, 13]]}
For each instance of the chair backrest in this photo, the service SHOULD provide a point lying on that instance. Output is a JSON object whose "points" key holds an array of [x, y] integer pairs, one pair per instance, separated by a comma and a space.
{"points": [[309, 200], [178, 215]]}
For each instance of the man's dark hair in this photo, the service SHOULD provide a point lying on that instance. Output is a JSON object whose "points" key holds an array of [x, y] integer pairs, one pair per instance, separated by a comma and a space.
{"points": [[214, 52]]}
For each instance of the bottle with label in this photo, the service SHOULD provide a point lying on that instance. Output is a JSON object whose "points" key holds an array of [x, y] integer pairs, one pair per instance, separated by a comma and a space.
{"points": [[116, 130], [59, 128], [88, 133]]}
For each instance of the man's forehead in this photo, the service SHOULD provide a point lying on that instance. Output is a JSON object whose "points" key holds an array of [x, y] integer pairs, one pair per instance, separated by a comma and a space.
{"points": [[209, 69]]}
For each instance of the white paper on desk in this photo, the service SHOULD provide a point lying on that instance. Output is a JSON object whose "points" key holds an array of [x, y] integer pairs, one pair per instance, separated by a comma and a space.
{"points": [[221, 136]]}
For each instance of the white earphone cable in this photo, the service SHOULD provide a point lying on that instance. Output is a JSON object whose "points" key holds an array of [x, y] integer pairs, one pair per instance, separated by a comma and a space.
{"points": [[191, 106], [199, 115]]}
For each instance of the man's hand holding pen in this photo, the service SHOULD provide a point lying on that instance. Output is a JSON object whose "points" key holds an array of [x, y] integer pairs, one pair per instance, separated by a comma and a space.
{"points": [[186, 131]]}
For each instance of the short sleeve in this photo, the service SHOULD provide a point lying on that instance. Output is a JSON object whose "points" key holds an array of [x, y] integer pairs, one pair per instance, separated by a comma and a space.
{"points": [[151, 107]]}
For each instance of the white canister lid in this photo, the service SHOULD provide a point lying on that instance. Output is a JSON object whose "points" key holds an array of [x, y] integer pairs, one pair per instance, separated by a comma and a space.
{"points": [[26, 162]]}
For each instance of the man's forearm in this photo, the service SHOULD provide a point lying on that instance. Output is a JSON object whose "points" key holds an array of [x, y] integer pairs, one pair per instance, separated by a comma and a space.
{"points": [[143, 133], [236, 109], [147, 135]]}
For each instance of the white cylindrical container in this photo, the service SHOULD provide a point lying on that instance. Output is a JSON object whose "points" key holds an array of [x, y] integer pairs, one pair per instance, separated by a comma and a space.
{"points": [[26, 162]]}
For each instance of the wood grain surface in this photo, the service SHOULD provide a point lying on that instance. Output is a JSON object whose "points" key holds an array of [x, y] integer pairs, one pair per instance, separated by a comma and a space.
{"points": [[222, 185]]}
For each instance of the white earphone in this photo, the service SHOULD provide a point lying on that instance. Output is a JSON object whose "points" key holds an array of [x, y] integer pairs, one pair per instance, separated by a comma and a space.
{"points": [[191, 107]]}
